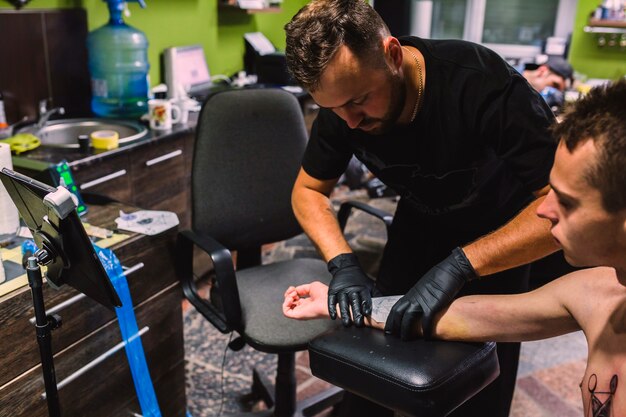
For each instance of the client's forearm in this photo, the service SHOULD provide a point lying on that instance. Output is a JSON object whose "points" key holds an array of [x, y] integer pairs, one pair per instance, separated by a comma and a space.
{"points": [[381, 306], [367, 320], [451, 323], [465, 319]]}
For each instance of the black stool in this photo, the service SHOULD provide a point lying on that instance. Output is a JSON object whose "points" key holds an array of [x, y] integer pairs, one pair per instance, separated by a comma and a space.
{"points": [[418, 378]]}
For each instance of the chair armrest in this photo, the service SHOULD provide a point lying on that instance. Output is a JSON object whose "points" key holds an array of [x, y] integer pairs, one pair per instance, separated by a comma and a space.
{"points": [[230, 318], [346, 209], [425, 378]]}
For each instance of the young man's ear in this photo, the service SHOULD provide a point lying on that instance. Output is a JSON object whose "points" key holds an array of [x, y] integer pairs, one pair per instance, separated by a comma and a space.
{"points": [[543, 70]]}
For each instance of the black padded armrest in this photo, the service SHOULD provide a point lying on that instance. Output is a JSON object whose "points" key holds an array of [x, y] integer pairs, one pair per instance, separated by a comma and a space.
{"points": [[418, 378], [230, 318]]}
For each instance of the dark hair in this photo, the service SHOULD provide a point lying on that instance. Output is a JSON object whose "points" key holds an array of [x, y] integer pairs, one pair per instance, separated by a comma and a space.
{"points": [[601, 116], [317, 31]]}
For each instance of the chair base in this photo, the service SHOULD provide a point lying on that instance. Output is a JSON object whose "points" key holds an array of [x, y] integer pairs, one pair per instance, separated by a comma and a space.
{"points": [[282, 403], [305, 408]]}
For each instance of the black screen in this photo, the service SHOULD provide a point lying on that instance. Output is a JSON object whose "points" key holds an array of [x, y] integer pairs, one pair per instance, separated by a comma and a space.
{"points": [[74, 262]]}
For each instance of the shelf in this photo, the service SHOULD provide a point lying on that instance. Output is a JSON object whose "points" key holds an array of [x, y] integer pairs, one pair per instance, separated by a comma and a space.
{"points": [[271, 9], [605, 26], [607, 23]]}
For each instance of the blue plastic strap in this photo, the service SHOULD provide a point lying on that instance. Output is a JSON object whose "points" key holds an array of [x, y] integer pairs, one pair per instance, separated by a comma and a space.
{"points": [[130, 334]]}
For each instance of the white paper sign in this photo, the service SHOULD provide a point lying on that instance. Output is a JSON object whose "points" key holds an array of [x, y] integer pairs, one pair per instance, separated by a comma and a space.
{"points": [[147, 222]]}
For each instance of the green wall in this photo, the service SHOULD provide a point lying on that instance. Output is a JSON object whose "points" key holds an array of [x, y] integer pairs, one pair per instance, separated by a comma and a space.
{"points": [[586, 57], [183, 22]]}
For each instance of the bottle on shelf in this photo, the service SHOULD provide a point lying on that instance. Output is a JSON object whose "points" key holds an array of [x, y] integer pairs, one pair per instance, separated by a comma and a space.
{"points": [[3, 117]]}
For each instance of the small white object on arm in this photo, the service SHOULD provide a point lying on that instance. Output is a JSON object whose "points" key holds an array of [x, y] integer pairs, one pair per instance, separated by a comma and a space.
{"points": [[381, 306]]}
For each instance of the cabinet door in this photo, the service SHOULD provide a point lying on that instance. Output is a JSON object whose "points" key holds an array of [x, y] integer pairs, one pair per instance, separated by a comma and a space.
{"points": [[110, 177], [149, 260], [161, 175], [19, 350], [93, 375]]}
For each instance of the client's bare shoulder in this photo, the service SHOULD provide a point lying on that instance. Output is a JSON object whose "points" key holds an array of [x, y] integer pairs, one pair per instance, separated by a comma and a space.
{"points": [[593, 296]]}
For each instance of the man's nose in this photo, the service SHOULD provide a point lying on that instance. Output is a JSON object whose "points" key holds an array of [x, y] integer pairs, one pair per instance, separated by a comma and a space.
{"points": [[547, 208], [351, 117]]}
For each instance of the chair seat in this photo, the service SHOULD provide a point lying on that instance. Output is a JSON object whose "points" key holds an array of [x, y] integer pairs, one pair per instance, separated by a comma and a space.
{"points": [[261, 291], [418, 378]]}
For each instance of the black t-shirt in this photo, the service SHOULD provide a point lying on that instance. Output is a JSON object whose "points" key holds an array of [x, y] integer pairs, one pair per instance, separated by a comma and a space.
{"points": [[478, 145]]}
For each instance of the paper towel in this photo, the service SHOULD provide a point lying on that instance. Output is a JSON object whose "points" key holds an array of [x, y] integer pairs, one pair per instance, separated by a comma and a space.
{"points": [[2, 275], [9, 218]]}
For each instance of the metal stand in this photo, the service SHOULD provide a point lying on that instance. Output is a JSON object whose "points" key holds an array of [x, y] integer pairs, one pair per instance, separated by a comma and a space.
{"points": [[44, 325]]}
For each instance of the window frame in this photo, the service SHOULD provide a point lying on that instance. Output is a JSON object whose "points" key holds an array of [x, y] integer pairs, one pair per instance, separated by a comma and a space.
{"points": [[475, 20]]}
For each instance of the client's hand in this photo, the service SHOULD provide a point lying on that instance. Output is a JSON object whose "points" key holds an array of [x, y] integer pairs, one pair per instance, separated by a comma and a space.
{"points": [[307, 301]]}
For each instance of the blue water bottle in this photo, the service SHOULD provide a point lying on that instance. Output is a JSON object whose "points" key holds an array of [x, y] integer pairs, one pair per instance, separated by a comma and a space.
{"points": [[118, 64]]}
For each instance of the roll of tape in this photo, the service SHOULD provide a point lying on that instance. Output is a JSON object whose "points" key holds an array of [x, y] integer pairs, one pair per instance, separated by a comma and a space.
{"points": [[105, 139]]}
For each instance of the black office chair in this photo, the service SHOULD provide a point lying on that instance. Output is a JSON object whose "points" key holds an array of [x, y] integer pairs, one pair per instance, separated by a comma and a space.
{"points": [[248, 149]]}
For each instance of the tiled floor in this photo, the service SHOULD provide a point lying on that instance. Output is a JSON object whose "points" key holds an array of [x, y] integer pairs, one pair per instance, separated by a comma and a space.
{"points": [[548, 377]]}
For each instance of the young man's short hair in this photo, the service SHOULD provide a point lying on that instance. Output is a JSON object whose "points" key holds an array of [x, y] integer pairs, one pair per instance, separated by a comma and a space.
{"points": [[601, 116]]}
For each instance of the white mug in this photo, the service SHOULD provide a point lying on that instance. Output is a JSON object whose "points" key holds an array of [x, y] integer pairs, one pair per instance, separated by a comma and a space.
{"points": [[163, 114]]}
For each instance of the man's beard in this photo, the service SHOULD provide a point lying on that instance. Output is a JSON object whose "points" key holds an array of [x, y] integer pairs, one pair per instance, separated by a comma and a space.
{"points": [[396, 104]]}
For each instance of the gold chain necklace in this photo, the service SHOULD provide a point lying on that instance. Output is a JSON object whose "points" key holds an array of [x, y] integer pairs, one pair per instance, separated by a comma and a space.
{"points": [[420, 86]]}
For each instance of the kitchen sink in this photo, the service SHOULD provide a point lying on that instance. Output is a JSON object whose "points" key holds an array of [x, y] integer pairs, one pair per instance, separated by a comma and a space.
{"points": [[63, 133]]}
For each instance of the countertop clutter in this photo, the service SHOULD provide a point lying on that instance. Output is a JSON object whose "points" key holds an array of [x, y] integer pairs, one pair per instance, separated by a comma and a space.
{"points": [[153, 172], [44, 155]]}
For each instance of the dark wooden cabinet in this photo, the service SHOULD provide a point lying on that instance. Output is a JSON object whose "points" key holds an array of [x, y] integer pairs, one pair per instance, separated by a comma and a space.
{"points": [[161, 175], [44, 56], [92, 371], [112, 178], [154, 175]]}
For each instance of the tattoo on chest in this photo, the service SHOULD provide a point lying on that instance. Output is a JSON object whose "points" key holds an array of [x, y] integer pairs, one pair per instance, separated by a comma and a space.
{"points": [[599, 408]]}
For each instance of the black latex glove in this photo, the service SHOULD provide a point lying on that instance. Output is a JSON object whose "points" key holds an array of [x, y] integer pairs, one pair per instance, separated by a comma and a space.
{"points": [[432, 293], [349, 287]]}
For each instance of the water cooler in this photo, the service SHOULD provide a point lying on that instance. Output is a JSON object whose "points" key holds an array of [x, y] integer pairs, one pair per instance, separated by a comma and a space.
{"points": [[118, 65]]}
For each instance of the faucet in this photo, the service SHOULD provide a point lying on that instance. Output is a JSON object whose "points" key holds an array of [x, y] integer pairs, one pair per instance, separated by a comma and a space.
{"points": [[11, 129], [44, 113]]}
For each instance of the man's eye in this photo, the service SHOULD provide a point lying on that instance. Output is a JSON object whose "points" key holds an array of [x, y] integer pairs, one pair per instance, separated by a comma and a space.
{"points": [[566, 205]]}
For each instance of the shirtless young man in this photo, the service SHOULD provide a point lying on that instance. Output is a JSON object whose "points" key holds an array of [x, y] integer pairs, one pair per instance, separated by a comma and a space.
{"points": [[587, 210]]}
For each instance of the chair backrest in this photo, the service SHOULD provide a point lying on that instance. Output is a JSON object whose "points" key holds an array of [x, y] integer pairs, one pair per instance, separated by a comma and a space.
{"points": [[248, 150]]}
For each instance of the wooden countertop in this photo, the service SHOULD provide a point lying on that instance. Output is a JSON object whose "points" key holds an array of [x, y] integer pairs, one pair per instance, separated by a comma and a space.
{"points": [[40, 158]]}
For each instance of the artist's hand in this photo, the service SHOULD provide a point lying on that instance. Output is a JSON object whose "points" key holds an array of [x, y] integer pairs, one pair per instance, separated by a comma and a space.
{"points": [[307, 301], [351, 288], [432, 293]]}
